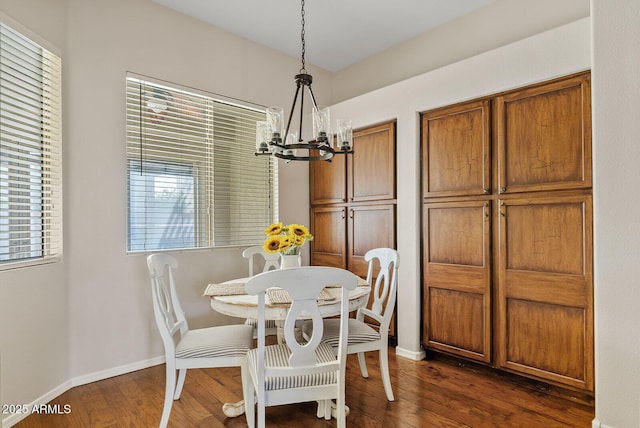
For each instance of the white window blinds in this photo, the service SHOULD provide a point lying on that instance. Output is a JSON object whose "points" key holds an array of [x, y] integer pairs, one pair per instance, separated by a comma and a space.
{"points": [[30, 151], [193, 180]]}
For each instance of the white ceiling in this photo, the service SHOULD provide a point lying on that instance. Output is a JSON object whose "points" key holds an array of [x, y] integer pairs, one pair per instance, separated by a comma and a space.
{"points": [[338, 33]]}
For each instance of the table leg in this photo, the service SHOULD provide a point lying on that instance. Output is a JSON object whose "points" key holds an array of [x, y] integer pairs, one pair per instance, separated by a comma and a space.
{"points": [[321, 413], [233, 410]]}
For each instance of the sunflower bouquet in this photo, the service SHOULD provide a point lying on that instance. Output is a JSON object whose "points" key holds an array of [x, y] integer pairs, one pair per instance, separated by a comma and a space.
{"points": [[287, 240]]}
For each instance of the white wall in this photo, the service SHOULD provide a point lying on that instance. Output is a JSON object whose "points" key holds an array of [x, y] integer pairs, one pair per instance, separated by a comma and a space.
{"points": [[616, 130], [34, 322], [499, 23]]}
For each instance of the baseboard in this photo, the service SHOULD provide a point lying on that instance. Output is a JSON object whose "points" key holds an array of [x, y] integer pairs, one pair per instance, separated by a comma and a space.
{"points": [[412, 355], [596, 424], [81, 380], [116, 371]]}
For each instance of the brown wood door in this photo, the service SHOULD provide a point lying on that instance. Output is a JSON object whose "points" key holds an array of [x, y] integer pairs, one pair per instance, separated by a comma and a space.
{"points": [[329, 228], [370, 226], [545, 288], [544, 137], [372, 168], [456, 150], [328, 181], [457, 278]]}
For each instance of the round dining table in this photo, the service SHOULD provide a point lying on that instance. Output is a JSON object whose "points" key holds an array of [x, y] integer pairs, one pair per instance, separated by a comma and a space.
{"points": [[229, 298]]}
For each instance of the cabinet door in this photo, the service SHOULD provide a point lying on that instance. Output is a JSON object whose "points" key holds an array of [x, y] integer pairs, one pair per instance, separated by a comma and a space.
{"points": [[456, 150], [544, 137], [328, 226], [370, 226], [457, 272], [328, 181], [545, 288], [372, 168]]}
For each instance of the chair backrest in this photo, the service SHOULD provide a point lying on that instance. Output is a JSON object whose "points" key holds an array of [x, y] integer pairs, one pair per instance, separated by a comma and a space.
{"points": [[271, 260], [304, 285], [383, 286], [166, 306]]}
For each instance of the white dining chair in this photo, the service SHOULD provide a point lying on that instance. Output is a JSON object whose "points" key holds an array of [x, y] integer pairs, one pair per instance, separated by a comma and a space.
{"points": [[269, 261], [294, 372], [365, 336], [221, 346]]}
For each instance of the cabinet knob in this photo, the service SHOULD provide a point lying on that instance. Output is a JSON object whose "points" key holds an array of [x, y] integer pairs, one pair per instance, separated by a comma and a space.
{"points": [[350, 213], [503, 190], [485, 191]]}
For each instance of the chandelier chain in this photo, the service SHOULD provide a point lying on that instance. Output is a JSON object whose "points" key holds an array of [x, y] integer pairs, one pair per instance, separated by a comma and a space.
{"points": [[303, 69]]}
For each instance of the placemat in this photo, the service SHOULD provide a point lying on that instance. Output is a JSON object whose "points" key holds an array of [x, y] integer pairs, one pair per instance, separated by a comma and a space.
{"points": [[227, 289], [278, 296], [361, 283]]}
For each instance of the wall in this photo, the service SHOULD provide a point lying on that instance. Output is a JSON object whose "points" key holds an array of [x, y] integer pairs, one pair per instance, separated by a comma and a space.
{"points": [[499, 23], [616, 126], [34, 322]]}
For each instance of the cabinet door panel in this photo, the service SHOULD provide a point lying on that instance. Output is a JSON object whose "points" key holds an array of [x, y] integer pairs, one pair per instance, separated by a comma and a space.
{"points": [[456, 150], [545, 291], [544, 137], [372, 167], [370, 226], [327, 181], [328, 226], [457, 272]]}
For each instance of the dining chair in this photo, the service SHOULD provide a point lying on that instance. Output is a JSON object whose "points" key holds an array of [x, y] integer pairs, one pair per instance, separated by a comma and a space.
{"points": [[294, 372], [270, 261], [372, 333], [221, 346]]}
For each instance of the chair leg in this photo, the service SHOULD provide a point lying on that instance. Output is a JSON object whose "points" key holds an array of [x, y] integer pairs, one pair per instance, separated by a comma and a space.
{"points": [[363, 364], [261, 414], [248, 394], [384, 371], [168, 394], [182, 374]]}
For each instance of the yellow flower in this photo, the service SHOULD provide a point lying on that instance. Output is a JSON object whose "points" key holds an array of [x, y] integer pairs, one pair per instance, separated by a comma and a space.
{"points": [[286, 241], [274, 229], [298, 230], [298, 240], [272, 244]]}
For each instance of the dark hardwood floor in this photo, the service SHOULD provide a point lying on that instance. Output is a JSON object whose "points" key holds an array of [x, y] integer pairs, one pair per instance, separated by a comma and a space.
{"points": [[437, 392]]}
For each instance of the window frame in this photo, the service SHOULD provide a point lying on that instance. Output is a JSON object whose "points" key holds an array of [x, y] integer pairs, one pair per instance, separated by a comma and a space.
{"points": [[205, 223], [50, 153]]}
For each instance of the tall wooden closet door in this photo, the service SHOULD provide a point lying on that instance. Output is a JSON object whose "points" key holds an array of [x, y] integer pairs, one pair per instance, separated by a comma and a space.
{"points": [[544, 137], [329, 227], [545, 295], [370, 226], [371, 170], [456, 150], [457, 278]]}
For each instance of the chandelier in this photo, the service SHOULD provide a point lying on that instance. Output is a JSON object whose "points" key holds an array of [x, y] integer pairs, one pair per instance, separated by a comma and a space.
{"points": [[270, 133]]}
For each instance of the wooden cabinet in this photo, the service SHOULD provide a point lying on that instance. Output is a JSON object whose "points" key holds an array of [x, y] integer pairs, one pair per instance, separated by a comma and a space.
{"points": [[457, 278], [507, 231], [353, 205]]}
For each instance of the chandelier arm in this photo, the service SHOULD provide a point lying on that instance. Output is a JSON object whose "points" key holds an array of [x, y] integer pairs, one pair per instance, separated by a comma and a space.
{"points": [[301, 111], [293, 106]]}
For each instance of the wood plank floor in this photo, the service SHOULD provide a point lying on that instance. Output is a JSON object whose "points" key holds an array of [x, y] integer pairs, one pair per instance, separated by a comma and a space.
{"points": [[437, 392]]}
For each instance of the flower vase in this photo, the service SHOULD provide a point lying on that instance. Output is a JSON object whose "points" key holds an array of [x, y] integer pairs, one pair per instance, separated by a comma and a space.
{"points": [[289, 261]]}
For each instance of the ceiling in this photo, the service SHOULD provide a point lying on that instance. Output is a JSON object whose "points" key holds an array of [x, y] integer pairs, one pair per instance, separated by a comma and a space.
{"points": [[338, 33]]}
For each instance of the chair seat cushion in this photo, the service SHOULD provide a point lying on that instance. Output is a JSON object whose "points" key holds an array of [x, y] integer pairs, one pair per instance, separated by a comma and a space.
{"points": [[278, 356], [254, 323], [359, 332], [221, 341]]}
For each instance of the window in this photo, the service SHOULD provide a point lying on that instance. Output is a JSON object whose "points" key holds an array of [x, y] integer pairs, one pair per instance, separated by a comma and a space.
{"points": [[192, 178], [30, 152]]}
